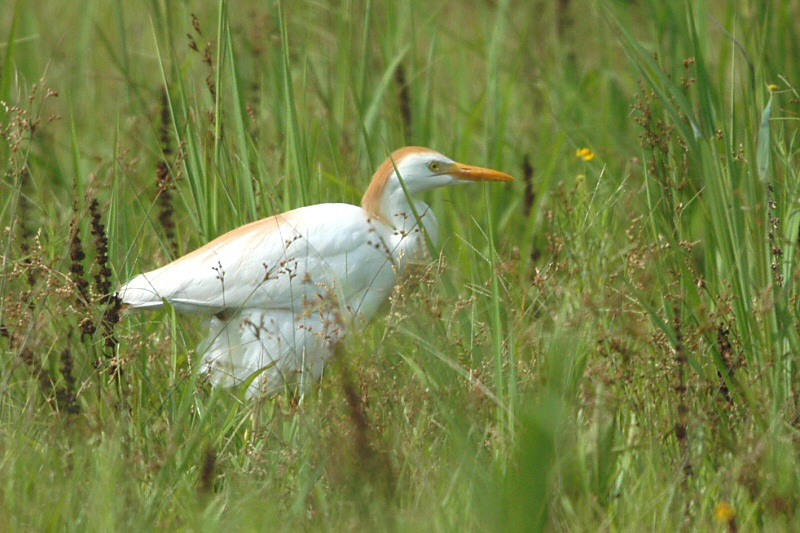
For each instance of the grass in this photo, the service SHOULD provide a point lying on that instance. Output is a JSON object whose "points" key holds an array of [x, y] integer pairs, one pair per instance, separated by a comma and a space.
{"points": [[607, 344]]}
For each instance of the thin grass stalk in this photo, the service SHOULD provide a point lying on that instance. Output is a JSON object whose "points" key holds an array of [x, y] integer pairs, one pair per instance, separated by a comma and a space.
{"points": [[9, 59], [295, 150], [507, 395], [240, 170], [219, 90], [202, 209]]}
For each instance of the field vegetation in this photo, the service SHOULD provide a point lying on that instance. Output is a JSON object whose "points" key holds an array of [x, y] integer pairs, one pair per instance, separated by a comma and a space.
{"points": [[611, 343]]}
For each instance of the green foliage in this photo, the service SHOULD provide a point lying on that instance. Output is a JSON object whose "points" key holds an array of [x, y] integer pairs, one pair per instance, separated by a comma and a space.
{"points": [[610, 343]]}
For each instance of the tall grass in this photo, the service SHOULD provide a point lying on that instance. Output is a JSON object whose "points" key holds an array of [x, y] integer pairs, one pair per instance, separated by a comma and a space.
{"points": [[608, 344]]}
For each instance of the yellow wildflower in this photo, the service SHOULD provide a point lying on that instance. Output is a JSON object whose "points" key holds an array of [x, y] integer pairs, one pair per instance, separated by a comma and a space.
{"points": [[772, 87], [725, 513], [584, 153]]}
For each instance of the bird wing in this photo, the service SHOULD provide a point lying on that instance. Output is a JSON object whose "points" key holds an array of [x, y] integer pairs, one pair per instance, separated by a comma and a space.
{"points": [[288, 261]]}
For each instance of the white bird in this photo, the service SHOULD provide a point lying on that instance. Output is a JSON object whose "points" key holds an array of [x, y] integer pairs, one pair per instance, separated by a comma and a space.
{"points": [[282, 292]]}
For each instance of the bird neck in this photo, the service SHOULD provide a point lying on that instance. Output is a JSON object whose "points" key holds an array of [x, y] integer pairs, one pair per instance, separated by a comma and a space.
{"points": [[390, 205], [398, 212], [388, 200]]}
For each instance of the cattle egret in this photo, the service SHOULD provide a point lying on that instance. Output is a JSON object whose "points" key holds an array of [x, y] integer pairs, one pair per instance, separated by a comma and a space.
{"points": [[281, 292]]}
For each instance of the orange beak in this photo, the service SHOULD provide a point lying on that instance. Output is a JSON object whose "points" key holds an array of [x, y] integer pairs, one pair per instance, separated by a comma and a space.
{"points": [[470, 173]]}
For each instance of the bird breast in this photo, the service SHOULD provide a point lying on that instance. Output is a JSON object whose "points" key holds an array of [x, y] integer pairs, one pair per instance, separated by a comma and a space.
{"points": [[409, 238]]}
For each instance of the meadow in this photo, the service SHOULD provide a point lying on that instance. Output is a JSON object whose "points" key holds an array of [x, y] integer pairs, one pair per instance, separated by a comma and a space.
{"points": [[610, 343]]}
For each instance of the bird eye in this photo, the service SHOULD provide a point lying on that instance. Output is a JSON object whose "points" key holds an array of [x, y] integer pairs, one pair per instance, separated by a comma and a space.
{"points": [[435, 166]]}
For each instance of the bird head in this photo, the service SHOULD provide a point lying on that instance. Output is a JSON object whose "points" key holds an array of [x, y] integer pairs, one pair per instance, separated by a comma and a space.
{"points": [[413, 170]]}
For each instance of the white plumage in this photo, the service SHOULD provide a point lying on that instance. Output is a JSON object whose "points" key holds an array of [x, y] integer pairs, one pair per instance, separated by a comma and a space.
{"points": [[282, 292]]}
